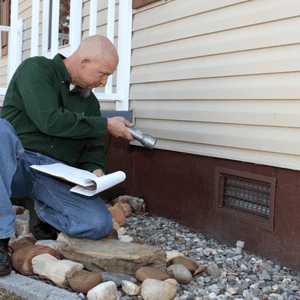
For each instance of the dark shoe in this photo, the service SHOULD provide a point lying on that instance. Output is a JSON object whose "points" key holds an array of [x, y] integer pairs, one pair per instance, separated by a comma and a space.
{"points": [[40, 230], [112, 235], [5, 260]]}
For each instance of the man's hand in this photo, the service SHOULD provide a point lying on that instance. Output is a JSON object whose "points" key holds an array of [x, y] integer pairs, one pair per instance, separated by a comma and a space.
{"points": [[117, 127], [99, 172]]}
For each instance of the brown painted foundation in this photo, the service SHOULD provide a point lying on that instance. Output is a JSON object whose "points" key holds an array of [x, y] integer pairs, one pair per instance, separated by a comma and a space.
{"points": [[180, 186]]}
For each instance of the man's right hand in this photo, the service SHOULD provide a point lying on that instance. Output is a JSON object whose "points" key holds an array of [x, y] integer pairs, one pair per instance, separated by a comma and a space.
{"points": [[117, 127]]}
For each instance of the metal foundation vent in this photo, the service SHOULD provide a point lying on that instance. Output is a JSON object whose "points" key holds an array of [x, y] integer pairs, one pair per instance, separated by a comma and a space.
{"points": [[246, 197]]}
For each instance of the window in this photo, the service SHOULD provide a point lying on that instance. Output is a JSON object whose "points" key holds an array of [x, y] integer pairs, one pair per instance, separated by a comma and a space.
{"points": [[4, 20], [246, 197], [64, 23], [140, 3]]}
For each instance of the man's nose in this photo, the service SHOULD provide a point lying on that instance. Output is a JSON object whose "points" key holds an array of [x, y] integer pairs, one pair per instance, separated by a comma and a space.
{"points": [[104, 80]]}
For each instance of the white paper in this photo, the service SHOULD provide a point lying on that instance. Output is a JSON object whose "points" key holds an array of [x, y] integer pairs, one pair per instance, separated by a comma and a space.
{"points": [[82, 178], [103, 183]]}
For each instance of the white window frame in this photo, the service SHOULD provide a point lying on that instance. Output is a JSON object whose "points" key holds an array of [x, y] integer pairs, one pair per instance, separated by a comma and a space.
{"points": [[121, 97], [75, 28]]}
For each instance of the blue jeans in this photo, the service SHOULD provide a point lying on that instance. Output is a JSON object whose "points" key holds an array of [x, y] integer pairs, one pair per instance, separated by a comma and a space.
{"points": [[73, 214]]}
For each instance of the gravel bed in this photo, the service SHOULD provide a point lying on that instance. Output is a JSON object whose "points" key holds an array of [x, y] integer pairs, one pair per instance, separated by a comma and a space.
{"points": [[243, 275]]}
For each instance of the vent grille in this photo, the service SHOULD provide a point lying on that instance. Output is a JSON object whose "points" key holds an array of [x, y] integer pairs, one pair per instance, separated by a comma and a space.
{"points": [[247, 197]]}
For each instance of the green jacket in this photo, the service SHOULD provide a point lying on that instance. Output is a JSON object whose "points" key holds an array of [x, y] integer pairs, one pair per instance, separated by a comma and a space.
{"points": [[51, 119]]}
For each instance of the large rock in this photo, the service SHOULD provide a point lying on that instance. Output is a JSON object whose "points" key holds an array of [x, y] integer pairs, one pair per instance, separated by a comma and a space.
{"points": [[103, 291], [111, 255], [145, 272], [83, 281], [191, 265], [118, 215], [58, 271], [24, 242], [22, 259], [130, 288], [153, 289], [180, 273]]}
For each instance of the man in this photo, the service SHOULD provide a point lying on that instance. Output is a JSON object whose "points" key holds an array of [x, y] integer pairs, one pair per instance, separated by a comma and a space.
{"points": [[45, 121]]}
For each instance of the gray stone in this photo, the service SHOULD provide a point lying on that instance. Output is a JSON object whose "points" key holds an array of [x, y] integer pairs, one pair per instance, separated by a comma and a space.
{"points": [[213, 270], [180, 273], [32, 289], [112, 255], [117, 278], [264, 276]]}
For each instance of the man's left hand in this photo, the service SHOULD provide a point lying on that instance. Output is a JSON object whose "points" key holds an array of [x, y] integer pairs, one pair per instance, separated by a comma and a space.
{"points": [[99, 172]]}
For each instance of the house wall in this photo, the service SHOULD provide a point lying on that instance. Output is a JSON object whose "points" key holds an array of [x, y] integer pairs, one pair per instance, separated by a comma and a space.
{"points": [[219, 78]]}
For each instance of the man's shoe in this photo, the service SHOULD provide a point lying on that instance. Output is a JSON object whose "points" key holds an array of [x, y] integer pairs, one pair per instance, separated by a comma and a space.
{"points": [[40, 230], [5, 260]]}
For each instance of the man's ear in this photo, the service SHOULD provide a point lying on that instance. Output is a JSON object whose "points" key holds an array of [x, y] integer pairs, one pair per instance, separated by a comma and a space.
{"points": [[84, 62]]}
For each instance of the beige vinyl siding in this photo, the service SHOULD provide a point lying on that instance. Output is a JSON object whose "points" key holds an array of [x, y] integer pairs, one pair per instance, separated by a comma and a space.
{"points": [[219, 78]]}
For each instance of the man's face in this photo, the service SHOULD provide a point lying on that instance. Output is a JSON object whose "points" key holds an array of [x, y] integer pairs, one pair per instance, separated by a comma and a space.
{"points": [[93, 74]]}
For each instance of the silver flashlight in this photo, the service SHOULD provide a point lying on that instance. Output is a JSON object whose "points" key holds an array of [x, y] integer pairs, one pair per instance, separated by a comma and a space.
{"points": [[147, 140]]}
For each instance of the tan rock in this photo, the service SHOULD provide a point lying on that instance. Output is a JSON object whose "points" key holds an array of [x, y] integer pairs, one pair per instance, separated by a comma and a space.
{"points": [[113, 256], [187, 262], [125, 208], [116, 225], [125, 238], [83, 281], [172, 281], [22, 259], [130, 288], [23, 230], [171, 254], [19, 209], [153, 289], [24, 242], [118, 215], [232, 291], [104, 291], [121, 231], [146, 272], [58, 271], [136, 204], [200, 270], [62, 237]]}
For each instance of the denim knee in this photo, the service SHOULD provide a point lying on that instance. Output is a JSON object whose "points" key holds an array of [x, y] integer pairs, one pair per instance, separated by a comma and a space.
{"points": [[92, 227], [98, 231]]}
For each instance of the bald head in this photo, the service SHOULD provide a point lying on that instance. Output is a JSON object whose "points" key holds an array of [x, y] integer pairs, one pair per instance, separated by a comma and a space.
{"points": [[97, 46], [92, 63]]}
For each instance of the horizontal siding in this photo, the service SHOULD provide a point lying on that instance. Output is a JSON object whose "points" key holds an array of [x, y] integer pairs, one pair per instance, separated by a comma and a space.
{"points": [[251, 62], [170, 12], [226, 135], [263, 113], [274, 34], [220, 78], [271, 86], [204, 22]]}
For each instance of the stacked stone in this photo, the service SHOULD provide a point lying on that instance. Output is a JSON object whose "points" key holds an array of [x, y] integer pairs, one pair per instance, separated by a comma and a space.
{"points": [[168, 261]]}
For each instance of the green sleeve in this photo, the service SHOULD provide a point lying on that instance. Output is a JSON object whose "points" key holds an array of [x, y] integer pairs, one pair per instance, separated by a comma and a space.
{"points": [[42, 104]]}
